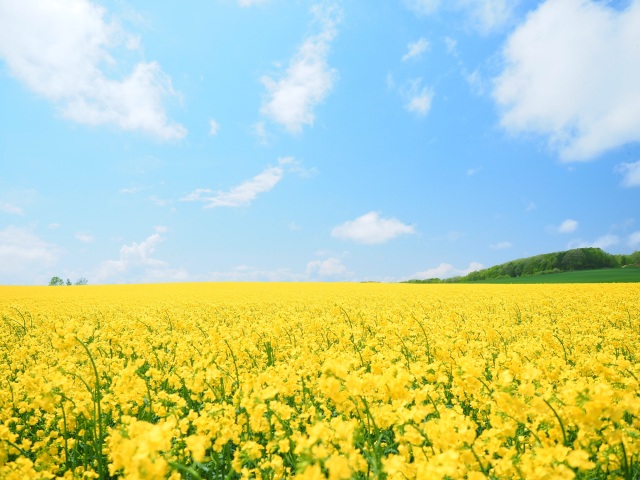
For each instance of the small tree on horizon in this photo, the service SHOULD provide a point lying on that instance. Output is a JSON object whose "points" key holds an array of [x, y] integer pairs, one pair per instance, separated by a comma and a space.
{"points": [[55, 282]]}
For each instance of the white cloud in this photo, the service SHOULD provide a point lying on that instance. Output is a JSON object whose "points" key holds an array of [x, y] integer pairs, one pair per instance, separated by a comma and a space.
{"points": [[488, 16], [631, 172], [422, 7], [62, 51], [24, 257], [326, 269], [259, 129], [603, 242], [531, 206], [245, 273], [291, 100], [330, 267], [501, 245], [250, 3], [473, 171], [416, 49], [11, 208], [485, 16], [418, 98], [370, 229], [567, 226], [446, 270], [136, 264], [571, 74], [214, 126], [245, 193], [634, 239], [452, 45], [84, 237]]}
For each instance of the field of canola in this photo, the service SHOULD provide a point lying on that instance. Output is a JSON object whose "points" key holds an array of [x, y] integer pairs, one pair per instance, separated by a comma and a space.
{"points": [[338, 381]]}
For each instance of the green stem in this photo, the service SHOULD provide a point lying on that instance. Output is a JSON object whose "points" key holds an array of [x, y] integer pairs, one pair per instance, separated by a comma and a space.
{"points": [[97, 410], [564, 434]]}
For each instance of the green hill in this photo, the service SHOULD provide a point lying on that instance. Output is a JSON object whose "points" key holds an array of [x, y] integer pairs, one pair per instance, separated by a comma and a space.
{"points": [[579, 265]]}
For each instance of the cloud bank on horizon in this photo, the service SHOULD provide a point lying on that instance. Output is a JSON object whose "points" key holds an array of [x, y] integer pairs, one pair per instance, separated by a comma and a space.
{"points": [[335, 142]]}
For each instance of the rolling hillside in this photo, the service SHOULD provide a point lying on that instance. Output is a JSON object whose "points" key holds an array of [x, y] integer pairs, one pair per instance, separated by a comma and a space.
{"points": [[579, 265]]}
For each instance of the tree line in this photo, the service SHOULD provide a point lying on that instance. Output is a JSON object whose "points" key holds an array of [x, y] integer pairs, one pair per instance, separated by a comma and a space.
{"points": [[57, 281], [548, 263]]}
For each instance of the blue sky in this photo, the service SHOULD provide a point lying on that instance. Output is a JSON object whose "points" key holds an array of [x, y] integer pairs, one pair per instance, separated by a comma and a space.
{"points": [[286, 140]]}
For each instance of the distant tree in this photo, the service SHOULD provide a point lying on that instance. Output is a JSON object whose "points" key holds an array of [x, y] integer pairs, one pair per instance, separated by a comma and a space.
{"points": [[55, 282], [69, 282], [82, 281]]}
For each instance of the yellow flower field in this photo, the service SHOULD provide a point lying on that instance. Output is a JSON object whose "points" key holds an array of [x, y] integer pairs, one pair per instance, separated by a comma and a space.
{"points": [[319, 381]]}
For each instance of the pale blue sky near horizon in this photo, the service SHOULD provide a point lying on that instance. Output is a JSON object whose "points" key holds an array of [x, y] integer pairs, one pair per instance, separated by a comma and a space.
{"points": [[329, 140]]}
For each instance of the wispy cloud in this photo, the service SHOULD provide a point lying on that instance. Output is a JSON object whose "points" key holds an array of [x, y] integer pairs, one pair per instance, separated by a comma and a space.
{"points": [[250, 3], [418, 98], [58, 50], [484, 16], [84, 237], [416, 49], [634, 239], [370, 229], [446, 270], [630, 172], [214, 127], [11, 208], [603, 242], [292, 99], [501, 245], [24, 256], [422, 7], [243, 194]]}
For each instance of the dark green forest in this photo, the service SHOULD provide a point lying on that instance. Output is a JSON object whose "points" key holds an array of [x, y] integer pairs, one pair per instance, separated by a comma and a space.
{"points": [[573, 260]]}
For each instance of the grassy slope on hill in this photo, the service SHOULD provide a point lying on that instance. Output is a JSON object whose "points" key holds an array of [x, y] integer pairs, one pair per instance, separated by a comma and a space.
{"points": [[579, 265], [604, 275]]}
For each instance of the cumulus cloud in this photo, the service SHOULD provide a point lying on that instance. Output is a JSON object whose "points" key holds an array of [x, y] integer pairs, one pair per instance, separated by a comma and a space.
{"points": [[630, 172], [136, 264], [243, 194], [571, 75], [370, 229], [418, 98], [24, 257], [567, 226], [634, 239], [330, 267], [446, 270], [603, 242], [292, 99], [416, 49], [62, 51]]}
